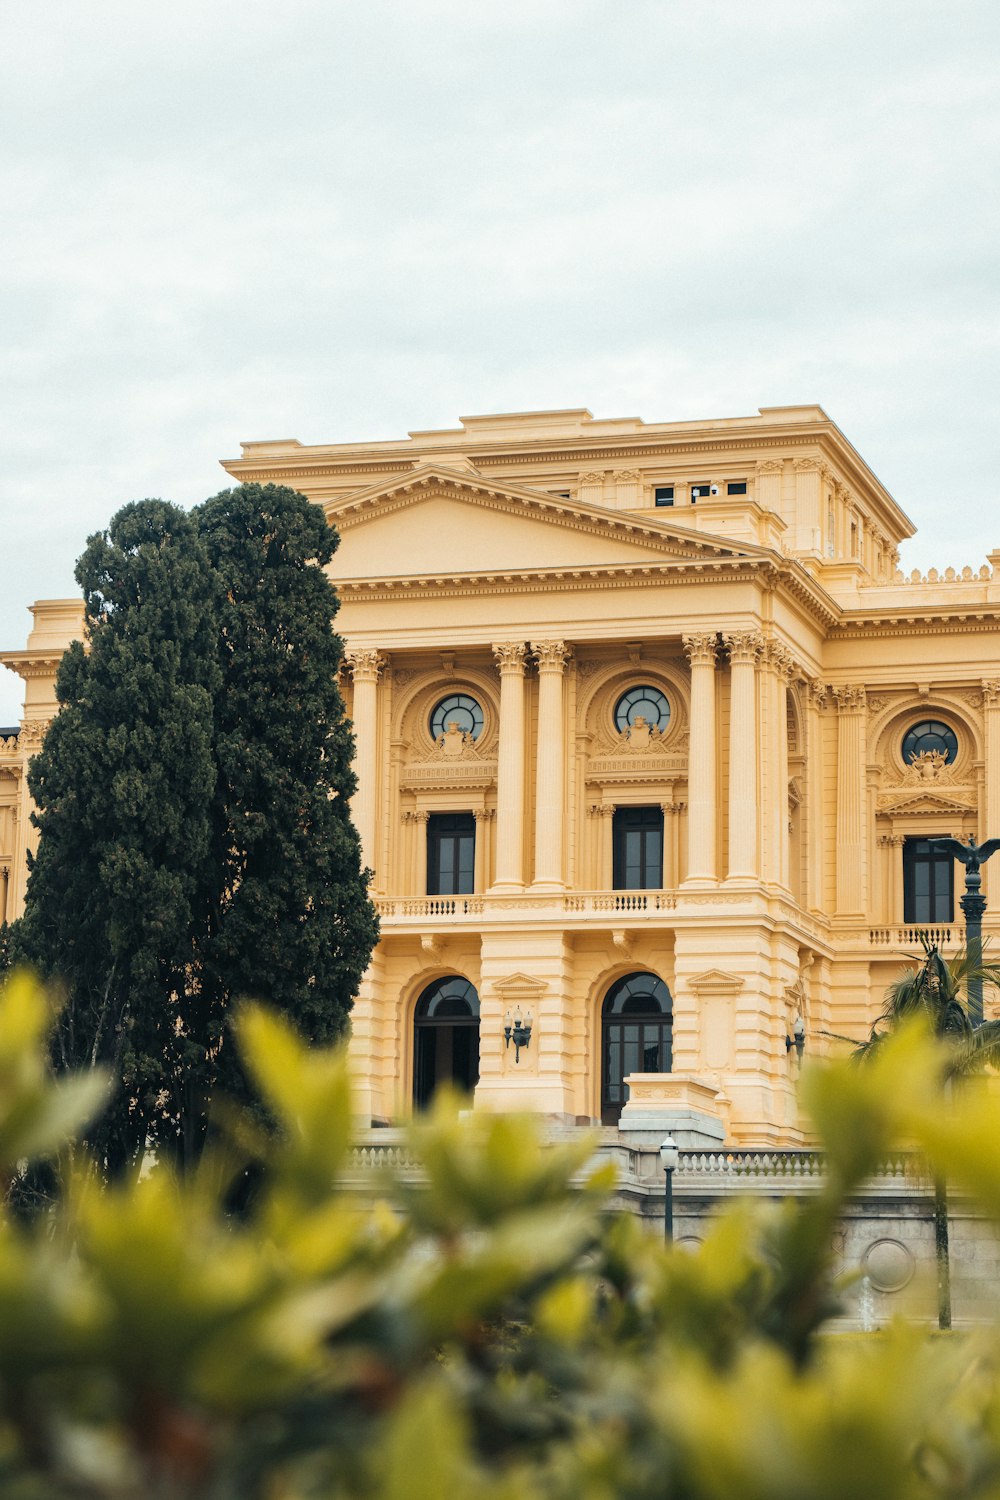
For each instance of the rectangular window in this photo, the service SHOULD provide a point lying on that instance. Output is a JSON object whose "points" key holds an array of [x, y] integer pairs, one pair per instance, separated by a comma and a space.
{"points": [[738, 487], [637, 840], [928, 882], [451, 854], [664, 494], [700, 490]]}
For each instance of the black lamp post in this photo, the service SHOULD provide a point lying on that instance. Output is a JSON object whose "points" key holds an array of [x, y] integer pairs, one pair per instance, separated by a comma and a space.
{"points": [[669, 1157], [973, 904]]}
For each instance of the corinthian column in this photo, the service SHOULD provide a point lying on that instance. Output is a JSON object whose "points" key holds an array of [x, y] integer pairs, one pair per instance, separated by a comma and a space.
{"points": [[744, 647], [510, 769], [364, 667], [701, 869], [851, 705], [550, 773]]}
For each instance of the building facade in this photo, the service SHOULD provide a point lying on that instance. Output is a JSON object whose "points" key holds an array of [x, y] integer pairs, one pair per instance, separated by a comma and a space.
{"points": [[651, 735]]}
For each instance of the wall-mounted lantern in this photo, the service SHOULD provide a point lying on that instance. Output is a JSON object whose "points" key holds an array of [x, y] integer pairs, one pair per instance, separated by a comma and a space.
{"points": [[797, 1038], [517, 1029]]}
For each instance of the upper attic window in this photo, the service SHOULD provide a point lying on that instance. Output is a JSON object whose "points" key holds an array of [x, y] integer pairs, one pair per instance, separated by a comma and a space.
{"points": [[737, 487], [663, 494], [700, 491]]}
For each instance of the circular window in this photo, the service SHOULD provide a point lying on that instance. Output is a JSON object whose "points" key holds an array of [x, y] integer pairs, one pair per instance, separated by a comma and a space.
{"points": [[462, 711], [930, 734], [646, 703]]}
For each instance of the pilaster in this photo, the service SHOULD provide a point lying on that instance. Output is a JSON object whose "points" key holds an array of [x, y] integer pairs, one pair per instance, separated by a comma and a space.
{"points": [[744, 648], [851, 799], [365, 667], [702, 768], [510, 657], [550, 769]]}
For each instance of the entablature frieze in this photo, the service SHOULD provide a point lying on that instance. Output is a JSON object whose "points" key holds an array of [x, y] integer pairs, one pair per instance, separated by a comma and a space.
{"points": [[769, 573], [441, 775]]}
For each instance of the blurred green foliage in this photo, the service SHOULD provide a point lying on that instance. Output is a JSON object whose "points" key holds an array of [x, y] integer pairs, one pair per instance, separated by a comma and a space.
{"points": [[274, 1326]]}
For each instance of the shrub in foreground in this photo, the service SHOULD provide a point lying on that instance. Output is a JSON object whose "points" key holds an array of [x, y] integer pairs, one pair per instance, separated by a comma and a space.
{"points": [[479, 1326]]}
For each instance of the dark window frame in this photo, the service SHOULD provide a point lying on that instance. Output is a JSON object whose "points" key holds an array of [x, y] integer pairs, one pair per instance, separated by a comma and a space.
{"points": [[451, 854], [445, 1038], [626, 1022], [637, 848], [736, 487], [663, 494], [928, 882]]}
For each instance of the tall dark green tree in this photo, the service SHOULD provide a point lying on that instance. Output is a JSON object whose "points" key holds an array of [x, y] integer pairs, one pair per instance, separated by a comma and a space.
{"points": [[125, 785], [195, 835], [291, 922]]}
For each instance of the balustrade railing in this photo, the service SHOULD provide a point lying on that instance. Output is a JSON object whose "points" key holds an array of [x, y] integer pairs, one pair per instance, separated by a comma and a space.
{"points": [[636, 902], [909, 937]]}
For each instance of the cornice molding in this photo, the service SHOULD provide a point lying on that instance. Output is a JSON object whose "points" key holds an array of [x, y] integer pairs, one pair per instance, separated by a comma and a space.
{"points": [[575, 515]]}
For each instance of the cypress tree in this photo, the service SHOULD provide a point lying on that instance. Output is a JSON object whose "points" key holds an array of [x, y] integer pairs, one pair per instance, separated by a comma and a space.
{"points": [[292, 923], [195, 835], [124, 784]]}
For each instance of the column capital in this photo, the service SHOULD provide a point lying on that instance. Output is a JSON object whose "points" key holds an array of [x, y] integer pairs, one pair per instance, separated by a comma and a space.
{"points": [[849, 700], [991, 693], [364, 665], [700, 649], [779, 659], [510, 657], [744, 646], [484, 814], [551, 656]]}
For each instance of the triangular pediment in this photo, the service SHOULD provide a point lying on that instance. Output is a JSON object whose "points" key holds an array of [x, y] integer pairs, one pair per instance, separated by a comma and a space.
{"points": [[441, 521], [920, 801]]}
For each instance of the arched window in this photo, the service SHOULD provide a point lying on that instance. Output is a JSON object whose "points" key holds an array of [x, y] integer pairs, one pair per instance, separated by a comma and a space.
{"points": [[930, 735], [445, 1038], [646, 703], [461, 710], [636, 1036]]}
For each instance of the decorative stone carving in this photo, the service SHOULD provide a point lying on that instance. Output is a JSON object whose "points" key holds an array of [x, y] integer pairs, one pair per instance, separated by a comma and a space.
{"points": [[455, 743], [888, 1265], [779, 659], [510, 657], [585, 669], [849, 699], [365, 665], [626, 476], [33, 732], [990, 694], [928, 765], [876, 704], [640, 736], [744, 646], [551, 656], [402, 676], [770, 466], [700, 649]]}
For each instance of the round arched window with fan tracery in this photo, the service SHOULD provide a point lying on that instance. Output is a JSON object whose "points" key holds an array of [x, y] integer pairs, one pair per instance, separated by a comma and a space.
{"points": [[644, 702], [460, 709], [930, 735]]}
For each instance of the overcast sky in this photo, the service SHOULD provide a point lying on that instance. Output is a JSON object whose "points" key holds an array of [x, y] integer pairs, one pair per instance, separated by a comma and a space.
{"points": [[331, 221]]}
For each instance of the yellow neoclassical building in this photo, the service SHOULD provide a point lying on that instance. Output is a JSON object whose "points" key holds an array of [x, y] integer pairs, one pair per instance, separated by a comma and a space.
{"points": [[651, 735]]}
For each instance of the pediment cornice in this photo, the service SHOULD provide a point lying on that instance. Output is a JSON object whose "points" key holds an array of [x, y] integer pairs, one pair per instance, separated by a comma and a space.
{"points": [[467, 485]]}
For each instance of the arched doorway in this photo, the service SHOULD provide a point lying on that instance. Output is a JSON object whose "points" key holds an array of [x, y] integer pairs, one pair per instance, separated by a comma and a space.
{"points": [[637, 1024], [445, 1038]]}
